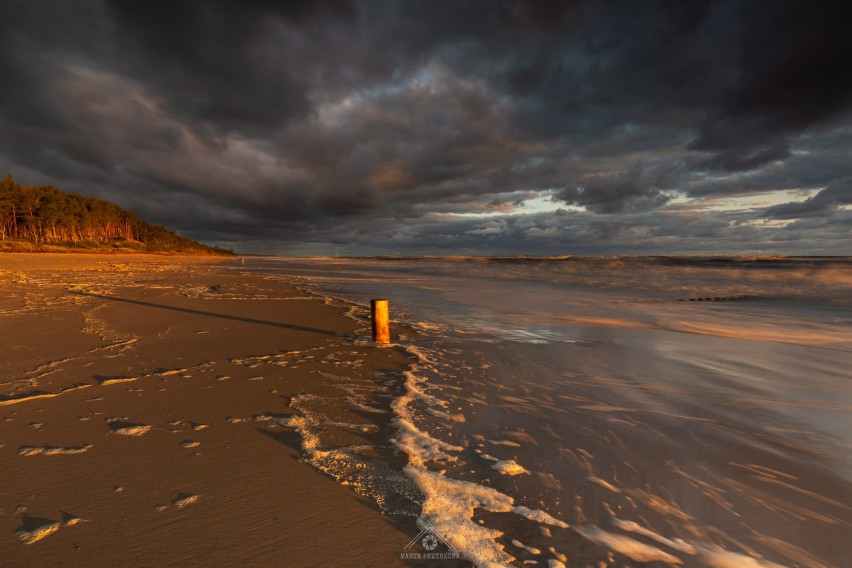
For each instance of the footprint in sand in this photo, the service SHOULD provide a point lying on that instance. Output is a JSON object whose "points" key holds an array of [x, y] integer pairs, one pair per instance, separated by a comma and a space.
{"points": [[52, 450], [189, 444], [125, 428], [33, 529], [69, 519], [182, 500], [112, 380]]}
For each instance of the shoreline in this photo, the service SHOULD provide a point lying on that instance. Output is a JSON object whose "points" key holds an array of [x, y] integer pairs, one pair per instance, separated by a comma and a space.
{"points": [[41, 249], [148, 409], [553, 439]]}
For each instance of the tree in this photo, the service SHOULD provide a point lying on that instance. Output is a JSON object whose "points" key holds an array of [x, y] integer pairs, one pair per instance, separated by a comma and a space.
{"points": [[44, 214]]}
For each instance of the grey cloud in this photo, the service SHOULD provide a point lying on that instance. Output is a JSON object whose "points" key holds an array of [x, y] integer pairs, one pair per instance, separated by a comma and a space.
{"points": [[746, 156], [566, 232], [822, 204], [636, 189]]}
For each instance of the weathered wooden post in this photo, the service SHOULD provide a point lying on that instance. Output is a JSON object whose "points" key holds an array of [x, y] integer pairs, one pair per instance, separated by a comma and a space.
{"points": [[381, 328]]}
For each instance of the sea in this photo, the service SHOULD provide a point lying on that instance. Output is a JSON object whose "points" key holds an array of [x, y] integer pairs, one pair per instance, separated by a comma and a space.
{"points": [[612, 411]]}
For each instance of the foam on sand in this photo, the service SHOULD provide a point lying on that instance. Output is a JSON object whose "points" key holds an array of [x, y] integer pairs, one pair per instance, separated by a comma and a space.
{"points": [[710, 555], [631, 548], [351, 466], [505, 443], [604, 483], [518, 544], [449, 505], [539, 516], [675, 544], [509, 467]]}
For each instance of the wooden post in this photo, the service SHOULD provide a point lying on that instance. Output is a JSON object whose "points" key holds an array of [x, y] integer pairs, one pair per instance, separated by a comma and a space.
{"points": [[381, 328]]}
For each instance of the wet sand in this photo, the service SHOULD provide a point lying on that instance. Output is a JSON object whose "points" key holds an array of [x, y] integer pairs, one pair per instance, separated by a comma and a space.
{"points": [[653, 430], [144, 412]]}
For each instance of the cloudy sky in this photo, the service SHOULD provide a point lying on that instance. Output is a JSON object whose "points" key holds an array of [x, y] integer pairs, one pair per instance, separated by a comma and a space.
{"points": [[406, 127]]}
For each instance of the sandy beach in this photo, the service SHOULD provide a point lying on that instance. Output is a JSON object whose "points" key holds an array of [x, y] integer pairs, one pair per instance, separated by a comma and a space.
{"points": [[188, 411], [146, 418]]}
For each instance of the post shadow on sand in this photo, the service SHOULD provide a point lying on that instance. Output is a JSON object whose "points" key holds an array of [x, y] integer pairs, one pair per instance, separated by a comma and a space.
{"points": [[215, 315]]}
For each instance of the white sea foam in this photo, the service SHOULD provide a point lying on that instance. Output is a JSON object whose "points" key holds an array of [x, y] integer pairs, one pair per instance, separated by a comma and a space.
{"points": [[674, 543], [449, 505], [604, 483], [418, 445], [449, 417], [710, 555], [505, 443], [717, 557], [625, 545], [540, 517], [518, 544], [509, 467]]}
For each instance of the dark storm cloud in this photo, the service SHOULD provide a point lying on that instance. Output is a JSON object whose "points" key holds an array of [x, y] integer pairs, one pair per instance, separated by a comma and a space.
{"points": [[789, 76], [204, 59], [398, 125], [636, 189]]}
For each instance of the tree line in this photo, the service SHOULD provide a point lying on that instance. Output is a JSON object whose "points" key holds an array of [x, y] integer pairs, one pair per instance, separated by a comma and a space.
{"points": [[46, 215]]}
